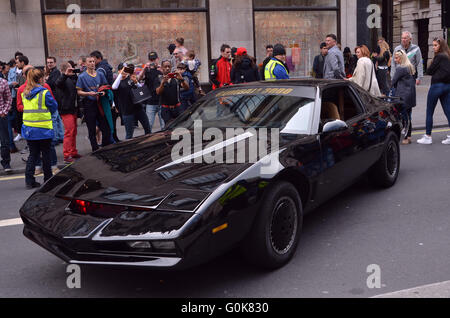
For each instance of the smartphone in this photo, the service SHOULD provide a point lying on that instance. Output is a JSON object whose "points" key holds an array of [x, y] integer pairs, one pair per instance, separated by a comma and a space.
{"points": [[171, 75], [77, 71]]}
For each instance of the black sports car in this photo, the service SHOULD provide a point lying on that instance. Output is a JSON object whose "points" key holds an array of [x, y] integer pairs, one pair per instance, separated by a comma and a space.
{"points": [[240, 168]]}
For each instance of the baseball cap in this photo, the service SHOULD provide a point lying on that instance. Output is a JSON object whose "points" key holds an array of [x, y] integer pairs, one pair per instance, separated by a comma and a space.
{"points": [[241, 51]]}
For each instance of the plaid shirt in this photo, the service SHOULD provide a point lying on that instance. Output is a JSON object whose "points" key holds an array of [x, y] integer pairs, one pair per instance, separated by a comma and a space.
{"points": [[5, 98]]}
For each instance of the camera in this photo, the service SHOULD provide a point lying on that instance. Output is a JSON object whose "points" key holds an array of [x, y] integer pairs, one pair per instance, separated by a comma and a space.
{"points": [[77, 71], [171, 75]]}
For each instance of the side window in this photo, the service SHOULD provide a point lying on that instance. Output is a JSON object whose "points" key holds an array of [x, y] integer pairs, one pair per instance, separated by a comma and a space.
{"points": [[339, 103], [352, 108]]}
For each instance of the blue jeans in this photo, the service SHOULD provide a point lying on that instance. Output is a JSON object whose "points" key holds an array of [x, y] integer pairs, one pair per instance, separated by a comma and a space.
{"points": [[11, 124], [152, 110], [58, 126], [4, 141], [129, 121], [439, 91]]}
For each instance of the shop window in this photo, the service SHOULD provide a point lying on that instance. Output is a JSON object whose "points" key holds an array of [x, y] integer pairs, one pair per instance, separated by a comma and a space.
{"points": [[128, 37], [301, 32]]}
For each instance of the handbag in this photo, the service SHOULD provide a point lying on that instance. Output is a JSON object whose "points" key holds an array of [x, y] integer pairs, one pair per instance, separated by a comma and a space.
{"points": [[140, 94]]}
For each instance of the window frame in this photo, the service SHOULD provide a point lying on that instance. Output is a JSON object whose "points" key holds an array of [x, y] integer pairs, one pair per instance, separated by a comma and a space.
{"points": [[298, 8], [46, 11]]}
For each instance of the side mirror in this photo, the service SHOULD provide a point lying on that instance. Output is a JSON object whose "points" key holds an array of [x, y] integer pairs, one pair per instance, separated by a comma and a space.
{"points": [[334, 126]]}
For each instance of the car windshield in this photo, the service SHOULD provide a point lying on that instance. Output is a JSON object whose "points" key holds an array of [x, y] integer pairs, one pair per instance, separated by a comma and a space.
{"points": [[228, 110]]}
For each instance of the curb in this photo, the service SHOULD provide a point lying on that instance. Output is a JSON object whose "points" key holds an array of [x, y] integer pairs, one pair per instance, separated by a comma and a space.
{"points": [[22, 171], [434, 127], [13, 172]]}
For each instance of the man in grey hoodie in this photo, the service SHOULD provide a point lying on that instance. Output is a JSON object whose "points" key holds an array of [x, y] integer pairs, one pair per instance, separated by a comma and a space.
{"points": [[334, 67], [414, 55]]}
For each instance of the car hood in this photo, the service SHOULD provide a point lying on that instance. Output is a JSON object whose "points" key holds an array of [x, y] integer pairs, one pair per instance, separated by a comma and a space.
{"points": [[142, 173]]}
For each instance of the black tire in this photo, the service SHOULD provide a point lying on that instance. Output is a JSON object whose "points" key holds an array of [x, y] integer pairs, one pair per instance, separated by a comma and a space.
{"points": [[385, 172], [274, 237]]}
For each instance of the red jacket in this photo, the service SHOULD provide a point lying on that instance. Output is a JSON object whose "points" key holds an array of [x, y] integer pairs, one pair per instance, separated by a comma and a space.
{"points": [[221, 73], [19, 95]]}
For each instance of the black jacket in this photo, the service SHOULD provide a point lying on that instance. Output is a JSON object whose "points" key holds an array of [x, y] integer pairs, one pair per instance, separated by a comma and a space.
{"points": [[152, 82], [67, 90], [107, 70], [246, 72], [405, 87], [262, 73], [440, 69], [319, 62], [55, 74]]}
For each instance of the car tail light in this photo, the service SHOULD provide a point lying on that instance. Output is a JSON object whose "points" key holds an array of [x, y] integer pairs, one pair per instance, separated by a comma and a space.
{"points": [[95, 209]]}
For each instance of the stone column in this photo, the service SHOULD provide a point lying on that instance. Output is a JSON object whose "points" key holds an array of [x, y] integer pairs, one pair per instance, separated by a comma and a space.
{"points": [[22, 32], [349, 24], [231, 22]]}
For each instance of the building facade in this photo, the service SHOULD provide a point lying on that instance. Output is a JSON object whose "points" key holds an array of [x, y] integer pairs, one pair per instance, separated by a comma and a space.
{"points": [[126, 30], [423, 18]]}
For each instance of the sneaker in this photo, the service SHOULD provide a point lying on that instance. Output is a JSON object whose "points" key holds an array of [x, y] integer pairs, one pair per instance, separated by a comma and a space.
{"points": [[446, 141], [55, 170], [425, 140], [33, 186], [18, 138], [38, 171], [8, 170], [77, 156]]}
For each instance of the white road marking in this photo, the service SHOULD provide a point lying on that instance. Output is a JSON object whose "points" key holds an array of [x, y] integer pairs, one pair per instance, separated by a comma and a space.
{"points": [[10, 222], [438, 290]]}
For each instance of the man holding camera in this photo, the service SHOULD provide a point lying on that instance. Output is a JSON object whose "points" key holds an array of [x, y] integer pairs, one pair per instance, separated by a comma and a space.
{"points": [[67, 108], [169, 92], [151, 75], [131, 112], [87, 86]]}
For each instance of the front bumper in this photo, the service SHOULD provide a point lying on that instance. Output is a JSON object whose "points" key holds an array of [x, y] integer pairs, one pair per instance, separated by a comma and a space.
{"points": [[85, 251]]}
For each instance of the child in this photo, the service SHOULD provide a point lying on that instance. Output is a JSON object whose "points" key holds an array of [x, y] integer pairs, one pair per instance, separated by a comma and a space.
{"points": [[194, 64]]}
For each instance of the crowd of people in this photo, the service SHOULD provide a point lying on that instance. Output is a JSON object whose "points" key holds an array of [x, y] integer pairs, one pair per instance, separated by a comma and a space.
{"points": [[371, 72], [43, 104]]}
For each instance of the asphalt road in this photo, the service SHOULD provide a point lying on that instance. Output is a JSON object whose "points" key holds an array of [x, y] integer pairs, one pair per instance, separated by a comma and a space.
{"points": [[404, 230]]}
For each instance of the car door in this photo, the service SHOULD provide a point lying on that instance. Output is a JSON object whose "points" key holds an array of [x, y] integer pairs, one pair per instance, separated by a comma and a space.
{"points": [[342, 150]]}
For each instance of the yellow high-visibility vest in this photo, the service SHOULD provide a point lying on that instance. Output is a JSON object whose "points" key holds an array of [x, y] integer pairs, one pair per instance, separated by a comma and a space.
{"points": [[35, 112], [270, 67]]}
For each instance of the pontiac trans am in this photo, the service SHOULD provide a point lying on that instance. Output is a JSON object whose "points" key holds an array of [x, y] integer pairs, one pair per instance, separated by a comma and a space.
{"points": [[185, 195]]}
